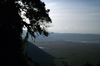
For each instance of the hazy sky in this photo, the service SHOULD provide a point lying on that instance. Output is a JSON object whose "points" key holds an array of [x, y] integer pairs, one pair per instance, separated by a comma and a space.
{"points": [[74, 16]]}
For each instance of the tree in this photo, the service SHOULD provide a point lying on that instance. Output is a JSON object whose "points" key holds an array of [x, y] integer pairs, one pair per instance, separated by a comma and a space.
{"points": [[11, 28], [88, 64]]}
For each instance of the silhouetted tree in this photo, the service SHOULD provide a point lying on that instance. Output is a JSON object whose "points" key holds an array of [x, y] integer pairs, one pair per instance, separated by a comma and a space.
{"points": [[64, 63], [12, 21], [88, 64], [98, 64]]}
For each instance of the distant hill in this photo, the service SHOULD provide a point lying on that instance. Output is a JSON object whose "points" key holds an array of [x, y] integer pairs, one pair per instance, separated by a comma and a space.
{"points": [[56, 37], [39, 55], [69, 35], [76, 36]]}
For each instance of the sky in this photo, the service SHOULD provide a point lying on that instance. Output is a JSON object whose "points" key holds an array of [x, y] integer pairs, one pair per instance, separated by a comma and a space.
{"points": [[74, 16]]}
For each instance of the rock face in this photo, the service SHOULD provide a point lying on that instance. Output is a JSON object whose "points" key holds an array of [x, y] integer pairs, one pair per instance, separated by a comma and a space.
{"points": [[39, 56]]}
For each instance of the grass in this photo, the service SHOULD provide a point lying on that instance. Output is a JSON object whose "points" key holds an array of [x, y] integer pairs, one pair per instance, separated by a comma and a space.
{"points": [[75, 54]]}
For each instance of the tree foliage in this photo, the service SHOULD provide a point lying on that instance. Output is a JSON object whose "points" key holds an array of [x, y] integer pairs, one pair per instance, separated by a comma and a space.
{"points": [[11, 28]]}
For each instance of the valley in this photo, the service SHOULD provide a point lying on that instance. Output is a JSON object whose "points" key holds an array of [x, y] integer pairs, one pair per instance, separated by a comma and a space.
{"points": [[75, 53]]}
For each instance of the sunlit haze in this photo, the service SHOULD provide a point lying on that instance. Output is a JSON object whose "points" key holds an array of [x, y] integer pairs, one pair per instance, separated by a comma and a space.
{"points": [[74, 16]]}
